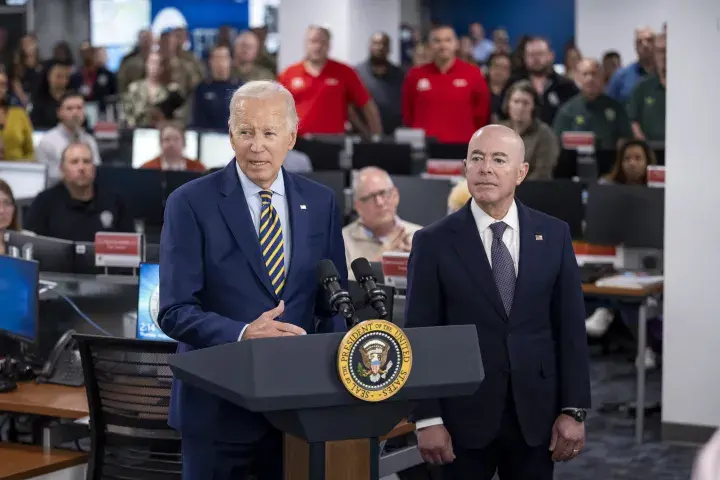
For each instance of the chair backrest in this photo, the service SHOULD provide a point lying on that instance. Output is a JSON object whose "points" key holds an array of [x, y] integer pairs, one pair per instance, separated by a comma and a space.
{"points": [[128, 387]]}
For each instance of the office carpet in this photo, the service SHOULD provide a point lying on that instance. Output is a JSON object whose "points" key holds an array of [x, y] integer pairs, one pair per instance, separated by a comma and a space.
{"points": [[610, 451]]}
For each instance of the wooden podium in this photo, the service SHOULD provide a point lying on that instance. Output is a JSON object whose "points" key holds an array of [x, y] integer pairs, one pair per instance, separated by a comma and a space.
{"points": [[345, 459]]}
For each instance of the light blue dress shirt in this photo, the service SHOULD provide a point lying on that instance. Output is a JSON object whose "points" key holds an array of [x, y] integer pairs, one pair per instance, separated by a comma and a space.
{"points": [[279, 202]]}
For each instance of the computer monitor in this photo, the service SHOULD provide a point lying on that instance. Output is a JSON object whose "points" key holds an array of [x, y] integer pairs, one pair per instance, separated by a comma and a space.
{"points": [[215, 149], [19, 298], [567, 163], [53, 254], [323, 155], [141, 189], [562, 199], [175, 180], [629, 215], [152, 253], [37, 135], [26, 179], [146, 145], [84, 262], [395, 158], [149, 303], [422, 200], [446, 151]]}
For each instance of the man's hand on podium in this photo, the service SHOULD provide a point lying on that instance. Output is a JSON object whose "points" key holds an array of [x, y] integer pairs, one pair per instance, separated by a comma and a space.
{"points": [[265, 326], [435, 445]]}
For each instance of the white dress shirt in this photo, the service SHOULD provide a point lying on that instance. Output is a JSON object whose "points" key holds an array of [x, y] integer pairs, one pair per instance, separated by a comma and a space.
{"points": [[511, 239], [279, 203]]}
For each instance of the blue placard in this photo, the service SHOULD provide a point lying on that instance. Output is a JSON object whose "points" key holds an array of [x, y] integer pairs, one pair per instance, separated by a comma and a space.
{"points": [[149, 303]]}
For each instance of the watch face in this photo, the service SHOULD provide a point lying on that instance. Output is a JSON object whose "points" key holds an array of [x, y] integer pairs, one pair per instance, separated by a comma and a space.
{"points": [[155, 306]]}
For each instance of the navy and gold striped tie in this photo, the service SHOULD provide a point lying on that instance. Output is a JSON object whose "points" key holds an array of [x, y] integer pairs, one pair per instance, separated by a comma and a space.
{"points": [[271, 242]]}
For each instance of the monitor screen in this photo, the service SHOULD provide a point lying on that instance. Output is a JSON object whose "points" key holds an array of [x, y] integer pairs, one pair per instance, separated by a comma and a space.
{"points": [[26, 179], [146, 145], [215, 150], [149, 303], [19, 298]]}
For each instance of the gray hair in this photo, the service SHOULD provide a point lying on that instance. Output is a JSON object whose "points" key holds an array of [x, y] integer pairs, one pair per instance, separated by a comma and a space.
{"points": [[361, 174], [261, 90]]}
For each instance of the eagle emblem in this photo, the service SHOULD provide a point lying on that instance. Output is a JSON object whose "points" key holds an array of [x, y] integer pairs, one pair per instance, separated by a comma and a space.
{"points": [[375, 365]]}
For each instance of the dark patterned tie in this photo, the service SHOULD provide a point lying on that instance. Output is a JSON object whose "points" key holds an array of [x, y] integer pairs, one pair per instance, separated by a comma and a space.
{"points": [[502, 266], [271, 242]]}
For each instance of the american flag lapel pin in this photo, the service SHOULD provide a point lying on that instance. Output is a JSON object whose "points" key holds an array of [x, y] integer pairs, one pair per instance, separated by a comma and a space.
{"points": [[303, 207], [538, 237]]}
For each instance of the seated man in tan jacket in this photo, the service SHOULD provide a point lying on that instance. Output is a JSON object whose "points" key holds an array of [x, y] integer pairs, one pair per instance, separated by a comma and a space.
{"points": [[378, 228]]}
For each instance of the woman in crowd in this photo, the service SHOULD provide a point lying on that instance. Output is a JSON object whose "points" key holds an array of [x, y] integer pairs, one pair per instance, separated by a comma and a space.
{"points": [[498, 74], [8, 214], [45, 102], [541, 144], [571, 59], [15, 127], [25, 71], [172, 144], [146, 101], [630, 169], [465, 50], [631, 165]]}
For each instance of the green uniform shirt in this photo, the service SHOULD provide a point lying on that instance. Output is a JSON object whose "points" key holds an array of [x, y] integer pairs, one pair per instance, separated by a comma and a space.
{"points": [[604, 117], [646, 106]]}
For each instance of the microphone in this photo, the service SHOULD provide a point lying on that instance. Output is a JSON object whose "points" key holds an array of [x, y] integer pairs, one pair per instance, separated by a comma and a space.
{"points": [[338, 298], [374, 295]]}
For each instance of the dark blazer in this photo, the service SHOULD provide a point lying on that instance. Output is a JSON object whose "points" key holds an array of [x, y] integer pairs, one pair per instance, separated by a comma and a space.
{"points": [[541, 348], [213, 281]]}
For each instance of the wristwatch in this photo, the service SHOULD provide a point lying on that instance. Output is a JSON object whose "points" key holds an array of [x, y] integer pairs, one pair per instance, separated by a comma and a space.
{"points": [[577, 414]]}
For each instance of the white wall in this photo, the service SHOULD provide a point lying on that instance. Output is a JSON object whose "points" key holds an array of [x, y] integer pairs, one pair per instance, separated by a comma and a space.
{"points": [[691, 366], [350, 21], [602, 25]]}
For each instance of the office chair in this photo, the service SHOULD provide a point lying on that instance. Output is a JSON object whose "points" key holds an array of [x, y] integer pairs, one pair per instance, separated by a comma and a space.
{"points": [[128, 388]]}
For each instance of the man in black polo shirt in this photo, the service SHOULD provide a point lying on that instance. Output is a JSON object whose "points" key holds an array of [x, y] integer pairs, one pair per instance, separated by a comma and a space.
{"points": [[553, 89], [76, 208]]}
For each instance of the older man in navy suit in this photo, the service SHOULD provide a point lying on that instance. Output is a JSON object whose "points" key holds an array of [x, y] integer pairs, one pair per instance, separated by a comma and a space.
{"points": [[511, 271], [238, 257]]}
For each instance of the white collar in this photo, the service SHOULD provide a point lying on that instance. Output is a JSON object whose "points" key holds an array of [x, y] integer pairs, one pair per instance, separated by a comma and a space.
{"points": [[483, 220], [250, 189]]}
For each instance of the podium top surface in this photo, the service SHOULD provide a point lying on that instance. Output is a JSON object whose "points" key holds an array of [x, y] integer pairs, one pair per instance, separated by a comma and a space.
{"points": [[292, 373]]}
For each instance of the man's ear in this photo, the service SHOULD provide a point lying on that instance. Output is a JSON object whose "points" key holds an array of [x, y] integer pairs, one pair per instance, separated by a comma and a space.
{"points": [[293, 139]]}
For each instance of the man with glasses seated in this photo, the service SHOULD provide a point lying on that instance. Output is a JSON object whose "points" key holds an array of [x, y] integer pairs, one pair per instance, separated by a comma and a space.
{"points": [[377, 229]]}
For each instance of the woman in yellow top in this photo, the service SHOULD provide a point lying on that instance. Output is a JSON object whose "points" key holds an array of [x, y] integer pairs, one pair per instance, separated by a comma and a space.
{"points": [[15, 127]]}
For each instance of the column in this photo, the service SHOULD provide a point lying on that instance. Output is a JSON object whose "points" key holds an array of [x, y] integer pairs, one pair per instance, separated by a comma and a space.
{"points": [[691, 369], [351, 22]]}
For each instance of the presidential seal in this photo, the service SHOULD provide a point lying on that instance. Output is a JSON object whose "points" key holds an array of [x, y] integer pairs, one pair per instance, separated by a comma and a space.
{"points": [[374, 360]]}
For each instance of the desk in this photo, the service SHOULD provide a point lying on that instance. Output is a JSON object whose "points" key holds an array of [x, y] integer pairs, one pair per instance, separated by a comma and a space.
{"points": [[48, 400], [637, 296], [19, 462]]}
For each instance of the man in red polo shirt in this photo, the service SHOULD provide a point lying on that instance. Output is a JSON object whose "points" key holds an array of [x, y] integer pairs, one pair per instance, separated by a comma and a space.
{"points": [[324, 89], [449, 97]]}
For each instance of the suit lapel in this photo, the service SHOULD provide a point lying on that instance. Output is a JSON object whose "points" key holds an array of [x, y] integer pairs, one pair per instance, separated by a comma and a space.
{"points": [[298, 233], [235, 211], [530, 242], [469, 247]]}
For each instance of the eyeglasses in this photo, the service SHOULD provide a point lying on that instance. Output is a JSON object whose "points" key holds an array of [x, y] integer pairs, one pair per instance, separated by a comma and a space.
{"points": [[384, 194]]}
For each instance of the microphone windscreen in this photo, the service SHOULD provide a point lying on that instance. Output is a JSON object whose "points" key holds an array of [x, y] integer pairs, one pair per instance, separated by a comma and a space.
{"points": [[326, 268], [361, 268]]}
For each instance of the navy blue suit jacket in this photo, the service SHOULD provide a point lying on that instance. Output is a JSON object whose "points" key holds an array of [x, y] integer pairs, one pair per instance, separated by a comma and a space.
{"points": [[541, 348], [213, 282]]}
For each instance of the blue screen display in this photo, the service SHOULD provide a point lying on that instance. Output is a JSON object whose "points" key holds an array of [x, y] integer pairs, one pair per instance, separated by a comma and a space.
{"points": [[148, 303], [18, 297]]}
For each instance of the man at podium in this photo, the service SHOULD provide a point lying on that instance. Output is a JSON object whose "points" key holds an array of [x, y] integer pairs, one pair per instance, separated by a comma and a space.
{"points": [[511, 271], [238, 256]]}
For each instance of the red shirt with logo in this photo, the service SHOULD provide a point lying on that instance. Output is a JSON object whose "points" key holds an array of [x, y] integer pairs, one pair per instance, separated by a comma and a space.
{"points": [[322, 102], [449, 106]]}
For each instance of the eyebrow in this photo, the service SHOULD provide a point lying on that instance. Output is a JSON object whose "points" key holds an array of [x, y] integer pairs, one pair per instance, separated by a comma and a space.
{"points": [[494, 154]]}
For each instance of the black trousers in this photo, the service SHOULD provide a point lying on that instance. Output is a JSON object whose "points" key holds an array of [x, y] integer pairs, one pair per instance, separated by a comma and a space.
{"points": [[208, 460], [507, 454]]}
